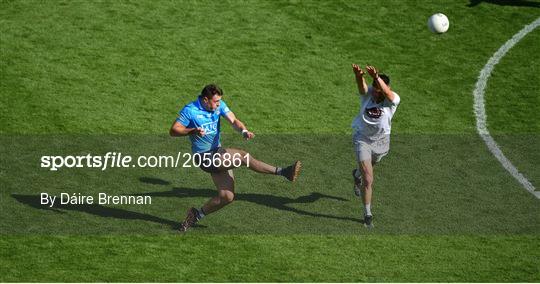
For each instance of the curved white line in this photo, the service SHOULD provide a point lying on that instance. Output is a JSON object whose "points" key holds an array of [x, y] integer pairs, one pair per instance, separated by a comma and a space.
{"points": [[480, 112]]}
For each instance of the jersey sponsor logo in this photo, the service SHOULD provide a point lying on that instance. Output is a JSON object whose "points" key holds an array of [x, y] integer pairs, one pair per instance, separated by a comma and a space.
{"points": [[210, 127], [374, 112]]}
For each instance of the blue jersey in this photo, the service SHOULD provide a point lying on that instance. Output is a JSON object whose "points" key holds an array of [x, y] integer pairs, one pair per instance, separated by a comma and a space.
{"points": [[194, 115]]}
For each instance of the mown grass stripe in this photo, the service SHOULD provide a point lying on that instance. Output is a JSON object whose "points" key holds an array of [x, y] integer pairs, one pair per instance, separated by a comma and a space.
{"points": [[256, 258]]}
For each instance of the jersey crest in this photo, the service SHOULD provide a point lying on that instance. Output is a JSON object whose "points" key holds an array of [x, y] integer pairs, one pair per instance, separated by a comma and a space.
{"points": [[374, 112]]}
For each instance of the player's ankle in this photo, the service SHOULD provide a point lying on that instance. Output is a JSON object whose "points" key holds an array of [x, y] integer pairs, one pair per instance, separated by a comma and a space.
{"points": [[200, 213], [367, 209]]}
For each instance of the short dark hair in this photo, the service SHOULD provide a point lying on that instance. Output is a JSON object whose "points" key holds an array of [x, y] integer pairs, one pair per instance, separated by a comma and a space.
{"points": [[385, 79], [211, 90]]}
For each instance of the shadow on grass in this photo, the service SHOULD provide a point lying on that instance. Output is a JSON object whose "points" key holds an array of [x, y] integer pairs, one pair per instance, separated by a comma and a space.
{"points": [[520, 3], [272, 201], [94, 209], [155, 181]]}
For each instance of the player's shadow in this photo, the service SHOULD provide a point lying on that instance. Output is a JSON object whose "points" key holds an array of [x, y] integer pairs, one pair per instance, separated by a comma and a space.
{"points": [[94, 209], [155, 181], [272, 201], [520, 3]]}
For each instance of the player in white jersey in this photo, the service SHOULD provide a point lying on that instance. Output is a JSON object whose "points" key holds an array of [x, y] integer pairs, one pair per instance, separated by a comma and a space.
{"points": [[372, 127]]}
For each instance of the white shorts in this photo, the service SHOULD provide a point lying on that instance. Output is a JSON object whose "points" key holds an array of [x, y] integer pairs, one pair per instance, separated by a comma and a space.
{"points": [[370, 150]]}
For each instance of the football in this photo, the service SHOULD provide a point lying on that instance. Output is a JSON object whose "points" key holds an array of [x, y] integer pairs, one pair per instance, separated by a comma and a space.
{"points": [[438, 23]]}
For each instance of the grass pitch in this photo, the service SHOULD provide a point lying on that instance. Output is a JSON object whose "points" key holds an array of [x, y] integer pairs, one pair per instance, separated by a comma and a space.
{"points": [[80, 77]]}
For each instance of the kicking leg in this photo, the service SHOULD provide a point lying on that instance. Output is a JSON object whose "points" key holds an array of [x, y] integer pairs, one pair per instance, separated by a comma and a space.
{"points": [[290, 172], [248, 160]]}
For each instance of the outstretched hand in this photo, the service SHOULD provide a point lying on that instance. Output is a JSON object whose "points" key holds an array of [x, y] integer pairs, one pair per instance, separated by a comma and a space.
{"points": [[357, 70], [372, 71]]}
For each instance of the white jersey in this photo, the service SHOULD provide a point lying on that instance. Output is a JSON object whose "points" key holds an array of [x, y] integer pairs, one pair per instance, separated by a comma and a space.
{"points": [[374, 121]]}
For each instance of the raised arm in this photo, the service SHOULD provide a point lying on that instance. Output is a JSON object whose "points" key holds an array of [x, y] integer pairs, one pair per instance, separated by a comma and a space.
{"points": [[385, 89], [360, 81], [238, 125]]}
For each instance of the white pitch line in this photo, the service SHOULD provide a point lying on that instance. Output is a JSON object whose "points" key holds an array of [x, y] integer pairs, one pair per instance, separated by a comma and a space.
{"points": [[480, 112]]}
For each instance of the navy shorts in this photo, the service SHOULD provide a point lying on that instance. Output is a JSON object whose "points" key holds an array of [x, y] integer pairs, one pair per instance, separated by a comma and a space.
{"points": [[205, 164]]}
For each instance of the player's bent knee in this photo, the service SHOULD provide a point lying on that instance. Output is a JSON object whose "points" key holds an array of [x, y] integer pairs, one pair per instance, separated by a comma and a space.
{"points": [[226, 197]]}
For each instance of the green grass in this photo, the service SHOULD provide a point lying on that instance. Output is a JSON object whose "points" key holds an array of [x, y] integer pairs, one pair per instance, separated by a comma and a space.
{"points": [[126, 67], [512, 105], [255, 258], [93, 77]]}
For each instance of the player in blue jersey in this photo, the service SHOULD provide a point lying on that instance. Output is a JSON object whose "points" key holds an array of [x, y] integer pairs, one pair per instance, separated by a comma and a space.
{"points": [[200, 120]]}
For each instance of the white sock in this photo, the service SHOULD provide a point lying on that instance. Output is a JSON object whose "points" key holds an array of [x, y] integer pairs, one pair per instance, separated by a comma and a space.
{"points": [[367, 209]]}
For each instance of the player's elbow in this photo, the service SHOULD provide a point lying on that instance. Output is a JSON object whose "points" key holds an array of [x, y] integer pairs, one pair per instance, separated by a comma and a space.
{"points": [[391, 97], [173, 132], [177, 129]]}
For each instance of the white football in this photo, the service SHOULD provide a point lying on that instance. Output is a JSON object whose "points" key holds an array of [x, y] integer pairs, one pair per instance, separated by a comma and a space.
{"points": [[438, 23]]}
